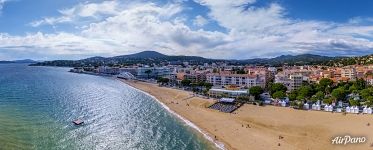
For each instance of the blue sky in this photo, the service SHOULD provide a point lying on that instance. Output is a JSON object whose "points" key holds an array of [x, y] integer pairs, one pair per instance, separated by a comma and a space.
{"points": [[75, 29]]}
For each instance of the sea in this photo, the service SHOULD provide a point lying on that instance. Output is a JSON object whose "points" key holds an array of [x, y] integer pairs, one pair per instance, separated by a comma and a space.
{"points": [[38, 105]]}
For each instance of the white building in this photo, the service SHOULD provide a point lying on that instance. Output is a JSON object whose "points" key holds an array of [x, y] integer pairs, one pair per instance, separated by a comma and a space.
{"points": [[349, 73], [242, 80], [292, 82], [229, 93]]}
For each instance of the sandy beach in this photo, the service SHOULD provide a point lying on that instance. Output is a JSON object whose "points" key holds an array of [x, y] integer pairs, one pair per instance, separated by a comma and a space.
{"points": [[260, 128]]}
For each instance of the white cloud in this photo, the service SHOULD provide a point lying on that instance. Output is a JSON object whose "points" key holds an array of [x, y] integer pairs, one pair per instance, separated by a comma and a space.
{"points": [[251, 31], [200, 21], [91, 11]]}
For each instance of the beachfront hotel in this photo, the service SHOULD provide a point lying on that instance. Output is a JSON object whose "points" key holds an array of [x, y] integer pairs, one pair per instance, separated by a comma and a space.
{"points": [[242, 80]]}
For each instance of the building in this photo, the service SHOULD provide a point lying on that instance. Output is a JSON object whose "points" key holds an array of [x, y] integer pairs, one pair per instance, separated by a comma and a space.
{"points": [[292, 82], [349, 73], [153, 72], [369, 80], [296, 82], [242, 80], [108, 70], [227, 93]]}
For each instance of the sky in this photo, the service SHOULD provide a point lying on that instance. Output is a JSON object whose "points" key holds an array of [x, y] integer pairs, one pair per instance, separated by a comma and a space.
{"points": [[224, 29]]}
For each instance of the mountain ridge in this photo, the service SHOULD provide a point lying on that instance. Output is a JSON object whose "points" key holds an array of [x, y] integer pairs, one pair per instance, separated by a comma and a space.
{"points": [[150, 57]]}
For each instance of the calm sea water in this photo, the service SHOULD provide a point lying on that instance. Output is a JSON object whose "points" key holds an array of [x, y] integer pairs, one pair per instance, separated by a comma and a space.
{"points": [[37, 105]]}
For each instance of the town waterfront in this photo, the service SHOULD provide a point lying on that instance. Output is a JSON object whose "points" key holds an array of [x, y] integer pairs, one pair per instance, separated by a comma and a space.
{"points": [[38, 105]]}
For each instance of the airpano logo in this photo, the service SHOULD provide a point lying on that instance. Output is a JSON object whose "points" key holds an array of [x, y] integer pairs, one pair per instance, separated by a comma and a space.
{"points": [[347, 139]]}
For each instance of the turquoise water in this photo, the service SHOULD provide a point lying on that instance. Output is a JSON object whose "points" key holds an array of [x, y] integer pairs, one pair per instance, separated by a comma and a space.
{"points": [[37, 105]]}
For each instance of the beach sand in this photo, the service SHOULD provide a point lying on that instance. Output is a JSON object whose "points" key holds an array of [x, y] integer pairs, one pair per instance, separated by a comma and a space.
{"points": [[260, 128]]}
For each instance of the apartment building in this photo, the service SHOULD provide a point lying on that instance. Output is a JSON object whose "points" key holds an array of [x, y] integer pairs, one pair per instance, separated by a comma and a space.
{"points": [[242, 80], [349, 73], [292, 81]]}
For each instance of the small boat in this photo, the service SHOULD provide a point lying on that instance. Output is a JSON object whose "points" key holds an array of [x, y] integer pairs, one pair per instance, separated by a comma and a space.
{"points": [[78, 122]]}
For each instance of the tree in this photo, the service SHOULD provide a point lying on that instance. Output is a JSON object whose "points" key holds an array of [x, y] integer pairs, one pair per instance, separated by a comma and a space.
{"points": [[318, 96], [305, 92], [360, 84], [339, 93], [369, 101], [279, 95], [186, 82], [243, 99], [328, 100], [365, 93], [256, 91], [163, 80], [148, 72], [277, 87], [324, 83], [241, 71], [293, 95], [353, 88], [208, 85], [354, 102]]}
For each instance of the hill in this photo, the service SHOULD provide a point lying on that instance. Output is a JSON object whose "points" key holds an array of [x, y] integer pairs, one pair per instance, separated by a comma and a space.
{"points": [[145, 57], [153, 57]]}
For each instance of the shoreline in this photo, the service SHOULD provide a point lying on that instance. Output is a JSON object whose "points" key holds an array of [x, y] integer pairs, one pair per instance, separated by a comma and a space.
{"points": [[205, 134], [300, 129]]}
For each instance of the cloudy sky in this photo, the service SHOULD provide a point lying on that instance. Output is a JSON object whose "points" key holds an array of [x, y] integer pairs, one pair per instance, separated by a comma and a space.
{"points": [[74, 29]]}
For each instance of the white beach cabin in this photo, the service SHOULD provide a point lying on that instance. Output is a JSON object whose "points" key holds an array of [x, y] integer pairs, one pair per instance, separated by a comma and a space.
{"points": [[365, 110], [348, 109], [330, 108], [369, 110], [356, 110], [326, 108], [306, 106]]}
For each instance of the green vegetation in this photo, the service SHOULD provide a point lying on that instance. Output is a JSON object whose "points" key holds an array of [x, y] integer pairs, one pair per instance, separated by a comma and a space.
{"points": [[256, 91], [163, 81], [339, 93], [354, 92], [275, 87], [279, 95], [186, 82]]}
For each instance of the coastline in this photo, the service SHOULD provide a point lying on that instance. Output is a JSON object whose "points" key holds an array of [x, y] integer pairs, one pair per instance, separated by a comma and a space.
{"points": [[300, 129], [206, 135]]}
